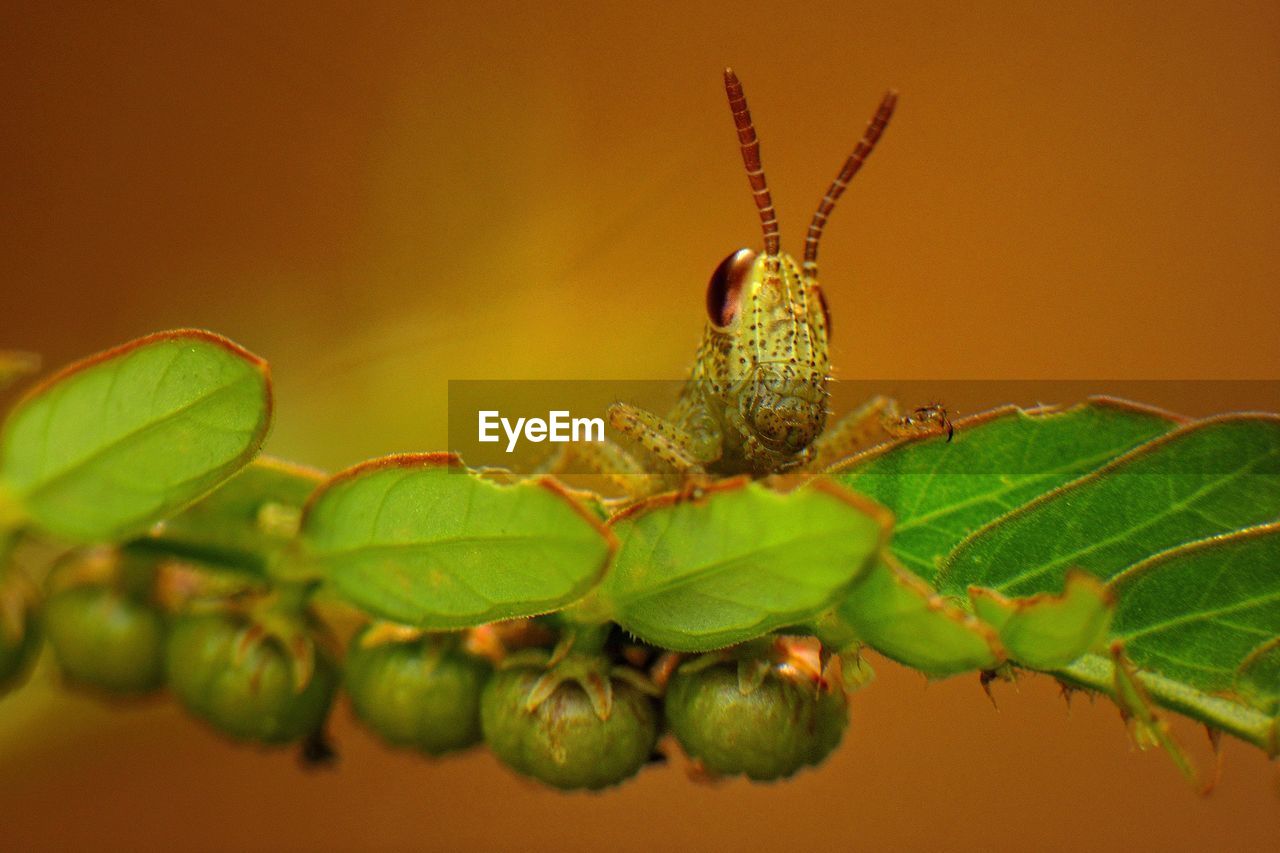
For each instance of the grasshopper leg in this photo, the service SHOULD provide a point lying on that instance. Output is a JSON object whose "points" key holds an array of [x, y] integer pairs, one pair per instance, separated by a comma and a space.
{"points": [[678, 450], [929, 419], [874, 418], [605, 459]]}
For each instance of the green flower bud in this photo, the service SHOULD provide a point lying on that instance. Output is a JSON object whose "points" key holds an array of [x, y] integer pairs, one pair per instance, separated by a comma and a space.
{"points": [[424, 693], [766, 731], [105, 638], [227, 671], [563, 741]]}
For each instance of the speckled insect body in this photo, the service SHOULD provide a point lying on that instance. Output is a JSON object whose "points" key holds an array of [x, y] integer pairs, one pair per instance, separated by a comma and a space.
{"points": [[760, 378], [756, 399]]}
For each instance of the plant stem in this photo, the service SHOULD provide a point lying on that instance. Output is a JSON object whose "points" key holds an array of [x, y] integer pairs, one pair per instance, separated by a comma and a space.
{"points": [[1097, 673], [241, 562]]}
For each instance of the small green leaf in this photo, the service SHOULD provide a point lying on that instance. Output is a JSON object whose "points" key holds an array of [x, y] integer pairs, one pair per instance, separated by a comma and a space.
{"points": [[418, 540], [243, 523], [1197, 613], [1204, 479], [1046, 631], [743, 560], [903, 618], [941, 492], [117, 442]]}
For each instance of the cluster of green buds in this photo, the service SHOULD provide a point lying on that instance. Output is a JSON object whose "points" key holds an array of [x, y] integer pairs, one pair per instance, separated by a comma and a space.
{"points": [[255, 665], [573, 706], [579, 707]]}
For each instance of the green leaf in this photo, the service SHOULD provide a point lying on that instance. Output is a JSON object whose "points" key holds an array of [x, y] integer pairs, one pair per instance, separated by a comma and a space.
{"points": [[418, 540], [941, 492], [1197, 613], [903, 618], [114, 443], [1204, 479], [1258, 679], [743, 560], [243, 523], [1045, 631]]}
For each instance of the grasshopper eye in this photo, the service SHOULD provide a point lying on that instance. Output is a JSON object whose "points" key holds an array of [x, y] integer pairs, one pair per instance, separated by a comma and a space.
{"points": [[725, 288]]}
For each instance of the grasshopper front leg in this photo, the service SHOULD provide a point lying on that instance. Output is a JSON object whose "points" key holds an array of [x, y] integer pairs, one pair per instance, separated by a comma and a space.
{"points": [[878, 417], [684, 452], [606, 459], [854, 431]]}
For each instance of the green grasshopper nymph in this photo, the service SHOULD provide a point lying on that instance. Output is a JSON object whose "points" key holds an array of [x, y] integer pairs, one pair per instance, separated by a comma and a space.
{"points": [[756, 398]]}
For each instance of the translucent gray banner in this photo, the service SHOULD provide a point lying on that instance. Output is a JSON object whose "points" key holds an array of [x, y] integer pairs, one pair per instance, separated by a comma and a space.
{"points": [[528, 426]]}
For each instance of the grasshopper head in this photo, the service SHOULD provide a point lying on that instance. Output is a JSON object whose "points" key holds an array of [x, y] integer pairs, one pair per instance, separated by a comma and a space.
{"points": [[768, 320], [765, 351]]}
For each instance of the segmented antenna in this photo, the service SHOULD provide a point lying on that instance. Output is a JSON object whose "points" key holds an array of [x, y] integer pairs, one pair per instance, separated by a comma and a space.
{"points": [[751, 159], [851, 166]]}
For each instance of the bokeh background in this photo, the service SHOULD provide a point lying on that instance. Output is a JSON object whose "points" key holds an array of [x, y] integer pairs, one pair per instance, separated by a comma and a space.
{"points": [[380, 197]]}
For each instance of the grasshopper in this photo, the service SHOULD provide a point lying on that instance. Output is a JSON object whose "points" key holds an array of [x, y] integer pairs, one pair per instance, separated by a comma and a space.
{"points": [[756, 401]]}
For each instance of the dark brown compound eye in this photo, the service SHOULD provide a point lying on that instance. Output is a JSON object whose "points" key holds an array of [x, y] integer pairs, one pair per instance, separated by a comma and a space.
{"points": [[724, 291]]}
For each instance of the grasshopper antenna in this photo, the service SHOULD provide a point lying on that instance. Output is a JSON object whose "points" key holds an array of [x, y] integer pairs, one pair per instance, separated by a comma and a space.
{"points": [[861, 152], [751, 159]]}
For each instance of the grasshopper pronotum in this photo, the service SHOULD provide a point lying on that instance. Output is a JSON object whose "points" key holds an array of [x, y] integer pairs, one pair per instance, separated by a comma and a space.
{"points": [[756, 398]]}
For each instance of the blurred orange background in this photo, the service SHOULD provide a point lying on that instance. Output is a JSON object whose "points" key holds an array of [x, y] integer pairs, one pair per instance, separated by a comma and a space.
{"points": [[382, 197]]}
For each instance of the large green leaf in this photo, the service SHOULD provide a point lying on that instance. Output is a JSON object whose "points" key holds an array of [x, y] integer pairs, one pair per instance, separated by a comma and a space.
{"points": [[1205, 479], [1197, 613], [942, 491], [738, 562], [419, 540], [1196, 609], [243, 523], [117, 442]]}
